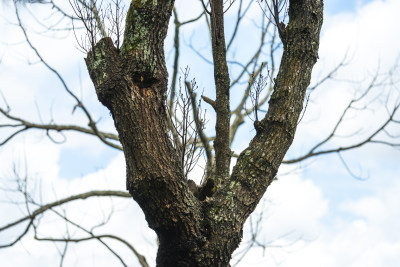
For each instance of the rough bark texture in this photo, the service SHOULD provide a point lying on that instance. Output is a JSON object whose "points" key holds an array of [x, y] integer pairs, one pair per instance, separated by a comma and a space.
{"points": [[222, 86], [132, 84]]}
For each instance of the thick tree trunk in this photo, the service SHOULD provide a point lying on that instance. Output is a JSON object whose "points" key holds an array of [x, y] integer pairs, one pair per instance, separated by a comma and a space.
{"points": [[132, 84]]}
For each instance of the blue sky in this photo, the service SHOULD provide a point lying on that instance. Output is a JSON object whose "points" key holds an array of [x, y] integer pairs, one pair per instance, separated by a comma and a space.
{"points": [[338, 6], [337, 220]]}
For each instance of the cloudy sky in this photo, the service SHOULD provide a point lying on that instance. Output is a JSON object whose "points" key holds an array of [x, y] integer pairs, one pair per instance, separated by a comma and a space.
{"points": [[317, 215]]}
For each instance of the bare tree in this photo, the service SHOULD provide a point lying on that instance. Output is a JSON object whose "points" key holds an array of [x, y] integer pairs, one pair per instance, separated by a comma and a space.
{"points": [[161, 134]]}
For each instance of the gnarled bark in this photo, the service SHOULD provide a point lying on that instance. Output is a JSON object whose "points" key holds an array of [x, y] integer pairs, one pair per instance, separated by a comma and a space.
{"points": [[132, 84]]}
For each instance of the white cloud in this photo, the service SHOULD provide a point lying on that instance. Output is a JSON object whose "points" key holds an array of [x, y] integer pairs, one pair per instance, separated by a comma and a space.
{"points": [[296, 204], [370, 39], [364, 233], [367, 236], [292, 214], [369, 34]]}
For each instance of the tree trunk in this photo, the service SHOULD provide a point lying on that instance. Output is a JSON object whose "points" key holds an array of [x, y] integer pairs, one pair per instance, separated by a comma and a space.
{"points": [[132, 84]]}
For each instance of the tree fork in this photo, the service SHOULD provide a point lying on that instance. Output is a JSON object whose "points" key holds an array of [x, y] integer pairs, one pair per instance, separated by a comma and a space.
{"points": [[132, 83], [258, 164]]}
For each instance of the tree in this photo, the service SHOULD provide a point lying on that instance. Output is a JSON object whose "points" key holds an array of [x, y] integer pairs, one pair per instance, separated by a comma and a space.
{"points": [[132, 84], [131, 79]]}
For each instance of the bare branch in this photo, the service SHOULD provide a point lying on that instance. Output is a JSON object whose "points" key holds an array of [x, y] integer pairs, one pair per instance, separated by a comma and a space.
{"points": [[240, 16], [140, 257], [91, 123], [187, 125], [370, 139], [46, 207], [344, 62], [199, 122], [96, 14], [27, 125]]}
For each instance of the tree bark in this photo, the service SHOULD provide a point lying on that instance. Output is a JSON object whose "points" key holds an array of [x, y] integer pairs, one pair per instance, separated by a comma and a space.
{"points": [[132, 84], [222, 86]]}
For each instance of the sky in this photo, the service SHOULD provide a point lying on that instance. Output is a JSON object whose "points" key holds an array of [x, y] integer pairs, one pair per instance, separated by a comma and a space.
{"points": [[316, 214]]}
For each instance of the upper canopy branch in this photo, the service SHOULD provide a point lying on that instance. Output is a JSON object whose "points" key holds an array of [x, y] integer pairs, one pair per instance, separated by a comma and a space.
{"points": [[381, 134], [222, 87]]}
